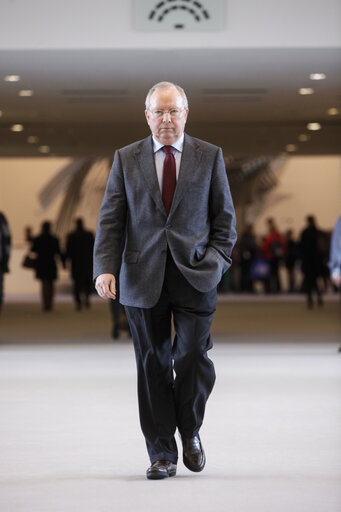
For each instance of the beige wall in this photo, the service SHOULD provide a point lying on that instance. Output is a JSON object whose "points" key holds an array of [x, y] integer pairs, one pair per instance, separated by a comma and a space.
{"points": [[20, 182], [306, 185]]}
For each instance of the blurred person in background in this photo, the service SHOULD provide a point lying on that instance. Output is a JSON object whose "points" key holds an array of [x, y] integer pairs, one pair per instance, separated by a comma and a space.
{"points": [[260, 271], [46, 247], [323, 246], [335, 259], [273, 248], [79, 250], [248, 249], [291, 257], [311, 261], [5, 250]]}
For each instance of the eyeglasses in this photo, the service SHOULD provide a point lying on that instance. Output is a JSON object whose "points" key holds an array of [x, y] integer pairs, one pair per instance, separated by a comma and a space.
{"points": [[174, 112]]}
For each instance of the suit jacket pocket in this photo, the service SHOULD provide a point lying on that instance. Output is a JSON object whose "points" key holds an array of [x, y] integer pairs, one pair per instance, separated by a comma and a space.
{"points": [[131, 256]]}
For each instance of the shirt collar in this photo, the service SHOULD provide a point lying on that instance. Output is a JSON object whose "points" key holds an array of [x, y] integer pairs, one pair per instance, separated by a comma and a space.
{"points": [[178, 144]]}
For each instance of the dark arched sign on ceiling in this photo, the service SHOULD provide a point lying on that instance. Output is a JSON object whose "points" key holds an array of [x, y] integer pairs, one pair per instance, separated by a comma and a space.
{"points": [[169, 15]]}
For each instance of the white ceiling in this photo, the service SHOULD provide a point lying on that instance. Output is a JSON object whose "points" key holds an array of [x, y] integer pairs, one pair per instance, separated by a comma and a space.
{"points": [[89, 102]]}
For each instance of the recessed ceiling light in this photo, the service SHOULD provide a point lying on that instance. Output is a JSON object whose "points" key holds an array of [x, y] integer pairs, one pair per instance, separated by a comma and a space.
{"points": [[17, 127], [333, 111], [26, 92], [306, 90], [314, 126], [32, 139], [317, 76], [12, 78], [44, 149], [291, 147], [303, 137]]}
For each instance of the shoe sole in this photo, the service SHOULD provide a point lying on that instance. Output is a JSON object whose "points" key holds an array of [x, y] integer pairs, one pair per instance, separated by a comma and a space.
{"points": [[161, 476]]}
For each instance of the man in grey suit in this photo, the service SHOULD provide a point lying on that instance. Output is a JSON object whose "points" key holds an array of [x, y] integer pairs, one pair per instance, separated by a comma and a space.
{"points": [[167, 226]]}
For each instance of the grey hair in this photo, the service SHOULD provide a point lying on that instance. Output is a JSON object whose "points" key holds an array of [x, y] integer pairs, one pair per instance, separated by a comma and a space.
{"points": [[166, 85]]}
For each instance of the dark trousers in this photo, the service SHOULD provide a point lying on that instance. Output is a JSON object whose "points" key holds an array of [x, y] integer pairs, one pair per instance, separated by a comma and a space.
{"points": [[274, 284], [174, 379], [47, 292], [81, 286], [1, 288], [310, 285]]}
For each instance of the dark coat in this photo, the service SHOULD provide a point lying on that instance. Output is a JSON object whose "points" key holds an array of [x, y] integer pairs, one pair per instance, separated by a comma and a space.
{"points": [[46, 246], [79, 249], [310, 255], [5, 243]]}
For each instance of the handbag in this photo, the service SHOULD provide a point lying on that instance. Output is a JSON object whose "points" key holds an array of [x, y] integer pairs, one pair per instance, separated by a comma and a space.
{"points": [[29, 261]]}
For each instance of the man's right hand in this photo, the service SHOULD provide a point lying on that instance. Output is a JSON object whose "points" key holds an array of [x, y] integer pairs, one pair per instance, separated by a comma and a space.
{"points": [[106, 286]]}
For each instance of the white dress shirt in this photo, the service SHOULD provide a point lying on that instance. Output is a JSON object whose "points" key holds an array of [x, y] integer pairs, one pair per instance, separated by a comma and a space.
{"points": [[159, 156]]}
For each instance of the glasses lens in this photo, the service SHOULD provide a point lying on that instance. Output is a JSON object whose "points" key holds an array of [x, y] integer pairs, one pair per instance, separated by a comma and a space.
{"points": [[160, 113]]}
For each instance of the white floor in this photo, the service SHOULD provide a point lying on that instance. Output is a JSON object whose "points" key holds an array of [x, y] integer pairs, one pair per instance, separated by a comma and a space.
{"points": [[70, 438]]}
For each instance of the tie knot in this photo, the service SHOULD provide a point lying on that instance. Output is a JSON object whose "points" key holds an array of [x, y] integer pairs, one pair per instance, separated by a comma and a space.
{"points": [[167, 150]]}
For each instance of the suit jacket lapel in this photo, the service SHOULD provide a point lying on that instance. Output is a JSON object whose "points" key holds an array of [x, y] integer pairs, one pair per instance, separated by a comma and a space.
{"points": [[145, 158], [191, 156]]}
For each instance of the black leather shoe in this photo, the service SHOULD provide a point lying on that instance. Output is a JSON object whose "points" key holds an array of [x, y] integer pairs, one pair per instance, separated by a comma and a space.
{"points": [[161, 469], [193, 454]]}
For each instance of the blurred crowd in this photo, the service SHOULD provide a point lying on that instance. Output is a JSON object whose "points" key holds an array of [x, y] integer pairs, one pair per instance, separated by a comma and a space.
{"points": [[280, 262], [44, 253]]}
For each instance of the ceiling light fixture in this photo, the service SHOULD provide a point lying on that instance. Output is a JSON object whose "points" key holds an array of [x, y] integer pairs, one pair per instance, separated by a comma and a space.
{"points": [[26, 92], [314, 126], [12, 78], [333, 111], [44, 149], [305, 90], [317, 76], [303, 137], [17, 128], [291, 148], [32, 139]]}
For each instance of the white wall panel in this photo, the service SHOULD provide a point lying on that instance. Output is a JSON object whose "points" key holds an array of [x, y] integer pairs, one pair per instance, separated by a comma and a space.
{"points": [[86, 24]]}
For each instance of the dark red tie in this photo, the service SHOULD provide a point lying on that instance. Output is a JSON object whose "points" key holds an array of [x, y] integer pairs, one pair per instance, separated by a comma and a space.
{"points": [[169, 178]]}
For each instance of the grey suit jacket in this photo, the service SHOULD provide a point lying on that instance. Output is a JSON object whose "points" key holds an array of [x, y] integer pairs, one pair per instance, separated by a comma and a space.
{"points": [[134, 231]]}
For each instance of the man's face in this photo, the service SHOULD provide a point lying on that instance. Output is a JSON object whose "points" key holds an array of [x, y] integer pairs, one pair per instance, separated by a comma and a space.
{"points": [[167, 128]]}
